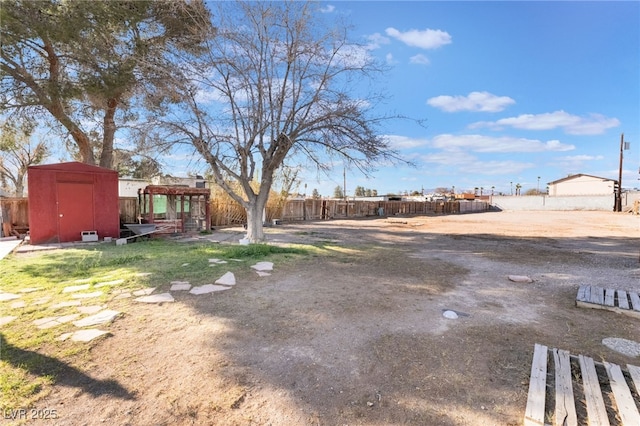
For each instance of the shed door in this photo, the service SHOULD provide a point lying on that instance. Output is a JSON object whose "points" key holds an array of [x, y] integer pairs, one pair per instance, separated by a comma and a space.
{"points": [[75, 210]]}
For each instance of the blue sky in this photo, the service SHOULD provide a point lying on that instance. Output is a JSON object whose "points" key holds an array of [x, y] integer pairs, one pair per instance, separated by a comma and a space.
{"points": [[510, 90]]}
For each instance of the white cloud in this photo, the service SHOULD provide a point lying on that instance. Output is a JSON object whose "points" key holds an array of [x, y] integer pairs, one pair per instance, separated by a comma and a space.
{"points": [[481, 143], [507, 167], [575, 163], [469, 164], [353, 55], [419, 59], [390, 60], [405, 142], [424, 39], [593, 124], [327, 9], [375, 41], [474, 101]]}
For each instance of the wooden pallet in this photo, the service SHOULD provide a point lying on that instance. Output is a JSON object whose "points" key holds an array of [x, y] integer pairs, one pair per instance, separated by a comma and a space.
{"points": [[621, 394], [621, 301]]}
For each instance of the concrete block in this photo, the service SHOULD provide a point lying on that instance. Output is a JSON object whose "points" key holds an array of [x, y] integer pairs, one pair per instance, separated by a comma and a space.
{"points": [[121, 241]]}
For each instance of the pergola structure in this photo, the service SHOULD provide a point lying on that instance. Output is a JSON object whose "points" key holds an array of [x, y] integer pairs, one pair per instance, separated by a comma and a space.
{"points": [[187, 209]]}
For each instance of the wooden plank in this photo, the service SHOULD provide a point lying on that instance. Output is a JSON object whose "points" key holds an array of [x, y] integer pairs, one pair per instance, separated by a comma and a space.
{"points": [[627, 409], [623, 302], [597, 295], [582, 293], [635, 376], [609, 296], [565, 406], [635, 300], [534, 413], [596, 409]]}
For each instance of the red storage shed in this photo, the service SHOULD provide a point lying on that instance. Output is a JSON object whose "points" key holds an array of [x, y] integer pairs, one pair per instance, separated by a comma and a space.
{"points": [[67, 199]]}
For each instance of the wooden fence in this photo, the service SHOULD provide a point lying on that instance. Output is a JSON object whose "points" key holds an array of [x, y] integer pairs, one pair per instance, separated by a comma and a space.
{"points": [[14, 213], [225, 212]]}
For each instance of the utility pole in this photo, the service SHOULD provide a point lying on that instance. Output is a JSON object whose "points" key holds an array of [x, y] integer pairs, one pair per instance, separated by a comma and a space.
{"points": [[623, 145]]}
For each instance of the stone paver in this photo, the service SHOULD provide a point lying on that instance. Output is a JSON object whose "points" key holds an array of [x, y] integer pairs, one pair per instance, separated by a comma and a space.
{"points": [[217, 261], [263, 266], [208, 288], [144, 292], [87, 295], [41, 301], [102, 317], [49, 322], [6, 320], [92, 309], [143, 274], [83, 335], [180, 286], [262, 274], [18, 304], [8, 296], [74, 288], [156, 298], [30, 290], [66, 304], [227, 279], [124, 295], [107, 283]]}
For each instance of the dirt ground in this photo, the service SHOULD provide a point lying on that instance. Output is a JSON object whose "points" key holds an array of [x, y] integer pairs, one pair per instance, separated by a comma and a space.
{"points": [[358, 337]]}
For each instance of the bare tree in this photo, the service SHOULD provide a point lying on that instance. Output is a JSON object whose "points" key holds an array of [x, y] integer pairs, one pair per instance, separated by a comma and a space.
{"points": [[276, 85], [18, 151]]}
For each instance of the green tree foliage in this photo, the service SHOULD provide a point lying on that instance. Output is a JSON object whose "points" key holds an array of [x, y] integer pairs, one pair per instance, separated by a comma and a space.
{"points": [[84, 63], [18, 151], [315, 194], [338, 192]]}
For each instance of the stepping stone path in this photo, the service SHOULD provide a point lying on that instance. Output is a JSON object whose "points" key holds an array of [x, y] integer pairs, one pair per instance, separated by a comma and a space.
{"points": [[99, 315], [263, 266], [90, 309], [144, 292], [208, 288], [83, 335], [108, 283], [50, 322], [180, 286], [87, 295], [6, 320], [30, 290], [75, 288], [227, 279], [66, 304], [156, 298], [8, 296], [102, 317]]}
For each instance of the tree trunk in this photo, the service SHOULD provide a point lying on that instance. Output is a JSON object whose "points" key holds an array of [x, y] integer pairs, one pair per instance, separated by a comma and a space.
{"points": [[20, 184], [106, 157], [255, 231]]}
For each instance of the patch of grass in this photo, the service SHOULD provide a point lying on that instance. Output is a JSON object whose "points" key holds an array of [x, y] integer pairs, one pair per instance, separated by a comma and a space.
{"points": [[32, 360]]}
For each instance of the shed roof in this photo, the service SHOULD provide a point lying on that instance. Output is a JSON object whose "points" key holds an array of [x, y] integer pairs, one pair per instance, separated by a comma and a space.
{"points": [[175, 190], [73, 166], [577, 176]]}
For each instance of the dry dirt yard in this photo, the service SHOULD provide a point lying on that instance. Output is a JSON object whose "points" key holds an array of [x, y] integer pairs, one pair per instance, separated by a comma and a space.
{"points": [[358, 337]]}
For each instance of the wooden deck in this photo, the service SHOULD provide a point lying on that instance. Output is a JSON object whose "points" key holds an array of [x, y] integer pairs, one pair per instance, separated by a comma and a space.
{"points": [[568, 390], [621, 301]]}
